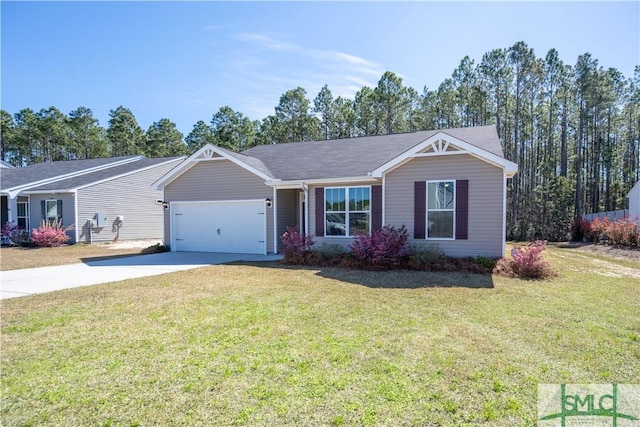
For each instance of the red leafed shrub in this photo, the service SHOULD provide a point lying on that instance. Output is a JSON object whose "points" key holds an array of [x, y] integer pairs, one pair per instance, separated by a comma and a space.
{"points": [[598, 229], [624, 232], [526, 262], [580, 229], [382, 248], [50, 234], [295, 246]]}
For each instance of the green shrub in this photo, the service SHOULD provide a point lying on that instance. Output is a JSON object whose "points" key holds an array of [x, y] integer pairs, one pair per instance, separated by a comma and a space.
{"points": [[329, 251], [427, 254], [485, 262]]}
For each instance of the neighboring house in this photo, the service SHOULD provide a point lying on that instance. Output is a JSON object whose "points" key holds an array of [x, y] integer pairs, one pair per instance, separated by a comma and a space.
{"points": [[634, 202], [445, 186], [4, 164], [95, 199]]}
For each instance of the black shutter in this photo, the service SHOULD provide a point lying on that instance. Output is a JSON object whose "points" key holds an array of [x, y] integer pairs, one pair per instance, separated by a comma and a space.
{"points": [[462, 209], [376, 207], [43, 210], [320, 211], [419, 209], [59, 211]]}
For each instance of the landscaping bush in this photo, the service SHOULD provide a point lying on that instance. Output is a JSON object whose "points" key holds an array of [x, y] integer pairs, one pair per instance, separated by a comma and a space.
{"points": [[624, 232], [429, 254], [383, 248], [50, 234], [13, 234], [598, 229], [155, 249], [485, 262], [329, 251], [580, 229], [526, 263], [295, 246]]}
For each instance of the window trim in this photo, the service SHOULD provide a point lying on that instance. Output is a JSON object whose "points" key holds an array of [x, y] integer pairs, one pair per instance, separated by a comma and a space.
{"points": [[26, 216], [452, 210], [347, 211]]}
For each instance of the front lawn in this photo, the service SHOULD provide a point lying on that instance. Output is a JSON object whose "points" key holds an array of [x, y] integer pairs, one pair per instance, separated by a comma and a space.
{"points": [[17, 257], [269, 345]]}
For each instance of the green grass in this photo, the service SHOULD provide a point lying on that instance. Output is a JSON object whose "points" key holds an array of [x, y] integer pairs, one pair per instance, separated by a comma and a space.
{"points": [[18, 258], [267, 345]]}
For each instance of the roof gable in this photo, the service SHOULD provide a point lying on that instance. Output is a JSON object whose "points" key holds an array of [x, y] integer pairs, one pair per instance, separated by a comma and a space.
{"points": [[213, 153], [442, 144]]}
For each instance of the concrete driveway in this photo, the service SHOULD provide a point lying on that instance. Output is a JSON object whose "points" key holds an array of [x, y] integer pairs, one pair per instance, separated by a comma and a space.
{"points": [[16, 283]]}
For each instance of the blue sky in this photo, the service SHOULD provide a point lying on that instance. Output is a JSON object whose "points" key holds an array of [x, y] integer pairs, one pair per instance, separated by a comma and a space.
{"points": [[185, 60]]}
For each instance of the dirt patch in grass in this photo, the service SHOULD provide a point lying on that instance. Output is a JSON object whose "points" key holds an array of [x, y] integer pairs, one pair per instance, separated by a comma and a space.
{"points": [[604, 250]]}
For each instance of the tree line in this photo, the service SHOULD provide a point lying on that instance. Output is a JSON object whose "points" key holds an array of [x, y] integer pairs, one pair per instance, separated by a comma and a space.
{"points": [[574, 130]]}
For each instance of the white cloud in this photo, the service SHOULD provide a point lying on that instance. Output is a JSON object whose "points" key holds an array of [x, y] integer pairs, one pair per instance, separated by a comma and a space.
{"points": [[265, 67]]}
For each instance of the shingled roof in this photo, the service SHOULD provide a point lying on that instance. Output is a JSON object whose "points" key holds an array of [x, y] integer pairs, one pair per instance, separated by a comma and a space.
{"points": [[17, 177], [355, 157], [102, 175]]}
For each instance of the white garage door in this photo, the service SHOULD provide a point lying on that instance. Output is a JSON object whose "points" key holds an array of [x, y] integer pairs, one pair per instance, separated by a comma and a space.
{"points": [[231, 227]]}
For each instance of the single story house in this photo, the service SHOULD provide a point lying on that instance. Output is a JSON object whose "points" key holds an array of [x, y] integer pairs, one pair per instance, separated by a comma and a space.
{"points": [[96, 200], [634, 202], [446, 186]]}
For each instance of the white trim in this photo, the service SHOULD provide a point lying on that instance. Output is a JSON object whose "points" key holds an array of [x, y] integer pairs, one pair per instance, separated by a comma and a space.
{"points": [[305, 188], [213, 202], [504, 215], [509, 167], [384, 200], [346, 211], [320, 182], [274, 208], [445, 153], [75, 214], [14, 191], [206, 153], [455, 195]]}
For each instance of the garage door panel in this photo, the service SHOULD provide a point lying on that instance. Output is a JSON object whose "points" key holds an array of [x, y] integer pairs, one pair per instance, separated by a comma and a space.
{"points": [[232, 227]]}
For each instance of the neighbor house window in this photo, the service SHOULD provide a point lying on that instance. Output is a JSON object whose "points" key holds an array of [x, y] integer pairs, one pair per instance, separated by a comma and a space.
{"points": [[440, 209], [347, 211], [23, 215], [51, 210]]}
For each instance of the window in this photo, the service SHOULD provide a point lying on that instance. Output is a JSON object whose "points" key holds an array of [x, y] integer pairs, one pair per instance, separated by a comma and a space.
{"points": [[350, 218], [51, 210], [23, 215], [440, 209]]}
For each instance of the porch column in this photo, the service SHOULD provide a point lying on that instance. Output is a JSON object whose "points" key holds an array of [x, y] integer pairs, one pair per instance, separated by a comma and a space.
{"points": [[12, 214]]}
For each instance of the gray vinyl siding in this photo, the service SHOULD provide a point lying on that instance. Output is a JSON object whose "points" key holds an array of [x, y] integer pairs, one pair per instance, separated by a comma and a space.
{"points": [[216, 180], [68, 211], [130, 196], [288, 205], [342, 241], [486, 187]]}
